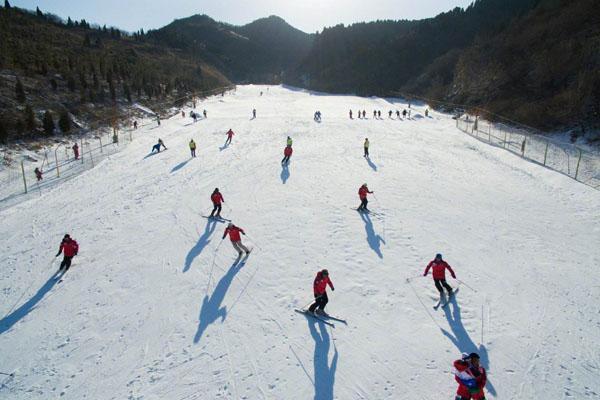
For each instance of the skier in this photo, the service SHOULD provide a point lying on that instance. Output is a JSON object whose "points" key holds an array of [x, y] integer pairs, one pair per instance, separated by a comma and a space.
{"points": [[158, 119], [471, 378], [359, 114], [350, 114], [236, 240], [364, 114], [204, 113], [229, 136], [287, 153], [182, 114], [379, 114], [254, 113], [38, 174], [362, 194], [439, 267], [156, 147], [76, 151], [289, 141], [366, 145], [134, 124], [193, 148], [194, 116], [70, 249], [398, 114], [427, 112], [375, 114], [320, 292], [217, 198], [404, 113], [390, 114]]}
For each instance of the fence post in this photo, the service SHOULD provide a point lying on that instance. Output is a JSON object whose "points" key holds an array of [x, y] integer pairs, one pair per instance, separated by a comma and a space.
{"points": [[24, 180], [523, 147], [490, 133], [546, 152], [92, 158], [100, 139], [56, 161], [504, 144], [81, 141], [578, 161]]}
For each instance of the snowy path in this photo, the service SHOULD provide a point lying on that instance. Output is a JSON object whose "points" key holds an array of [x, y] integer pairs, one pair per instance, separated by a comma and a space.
{"points": [[154, 308]]}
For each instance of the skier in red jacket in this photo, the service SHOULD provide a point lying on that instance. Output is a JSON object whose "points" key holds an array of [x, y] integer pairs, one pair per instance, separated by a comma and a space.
{"points": [[229, 136], [439, 267], [287, 153], [70, 248], [236, 240], [362, 194], [471, 378], [216, 199], [320, 291], [76, 151]]}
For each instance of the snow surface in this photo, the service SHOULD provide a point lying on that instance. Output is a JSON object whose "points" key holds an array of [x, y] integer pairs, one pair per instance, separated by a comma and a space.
{"points": [[153, 308]]}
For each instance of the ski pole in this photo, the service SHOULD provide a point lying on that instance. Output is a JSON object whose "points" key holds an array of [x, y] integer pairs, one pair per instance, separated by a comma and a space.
{"points": [[462, 283], [413, 277], [254, 241], [4, 373]]}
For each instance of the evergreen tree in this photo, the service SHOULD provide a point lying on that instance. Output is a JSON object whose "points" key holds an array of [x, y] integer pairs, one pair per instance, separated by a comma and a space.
{"points": [[127, 92], [3, 133], [29, 119], [54, 84], [86, 41], [111, 88], [48, 123], [64, 122], [19, 91], [38, 12], [6, 4], [69, 22], [71, 83]]}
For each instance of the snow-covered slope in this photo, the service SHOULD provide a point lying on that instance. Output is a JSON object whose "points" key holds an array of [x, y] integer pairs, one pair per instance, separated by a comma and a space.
{"points": [[153, 308]]}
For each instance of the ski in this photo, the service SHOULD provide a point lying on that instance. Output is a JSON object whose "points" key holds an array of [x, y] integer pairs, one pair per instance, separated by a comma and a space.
{"points": [[327, 316], [450, 297], [440, 301], [245, 258], [218, 219], [366, 212], [309, 314]]}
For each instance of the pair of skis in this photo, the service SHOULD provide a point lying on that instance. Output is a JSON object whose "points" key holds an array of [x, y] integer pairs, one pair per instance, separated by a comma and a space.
{"points": [[218, 219], [444, 300], [325, 318]]}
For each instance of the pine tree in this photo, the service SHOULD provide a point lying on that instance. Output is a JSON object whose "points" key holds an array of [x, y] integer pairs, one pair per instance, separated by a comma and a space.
{"points": [[127, 92], [6, 4], [48, 123], [38, 12], [64, 122], [69, 22], [3, 133], [19, 91], [29, 119]]}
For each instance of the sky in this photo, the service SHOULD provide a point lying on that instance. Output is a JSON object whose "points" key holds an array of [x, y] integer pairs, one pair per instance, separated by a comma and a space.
{"points": [[307, 15]]}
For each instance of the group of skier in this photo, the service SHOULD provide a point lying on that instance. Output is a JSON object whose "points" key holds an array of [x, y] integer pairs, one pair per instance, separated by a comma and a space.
{"points": [[362, 114]]}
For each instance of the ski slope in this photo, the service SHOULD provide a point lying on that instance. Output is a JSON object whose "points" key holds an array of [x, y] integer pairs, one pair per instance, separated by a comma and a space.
{"points": [[153, 308]]}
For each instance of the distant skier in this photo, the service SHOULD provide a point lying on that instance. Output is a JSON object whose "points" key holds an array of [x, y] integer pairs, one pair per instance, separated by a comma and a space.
{"points": [[158, 119], [362, 194], [366, 146], [439, 267], [427, 112], [157, 146], [375, 114], [254, 113], [193, 148], [195, 116], [134, 124], [76, 151], [359, 114], [364, 114], [379, 114], [471, 378], [404, 113], [38, 174], [320, 292], [217, 198], [236, 240], [205, 114], [287, 153], [289, 141], [397, 114], [350, 114], [182, 114], [390, 114], [229, 136], [69, 248]]}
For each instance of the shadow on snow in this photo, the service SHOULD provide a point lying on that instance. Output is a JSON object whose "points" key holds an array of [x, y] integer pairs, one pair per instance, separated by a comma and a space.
{"points": [[203, 241], [15, 316], [285, 173], [180, 165], [461, 339], [211, 309], [373, 239], [324, 373], [371, 164]]}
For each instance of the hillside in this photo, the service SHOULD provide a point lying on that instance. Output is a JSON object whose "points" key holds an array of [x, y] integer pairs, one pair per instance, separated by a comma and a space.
{"points": [[155, 308], [87, 73]]}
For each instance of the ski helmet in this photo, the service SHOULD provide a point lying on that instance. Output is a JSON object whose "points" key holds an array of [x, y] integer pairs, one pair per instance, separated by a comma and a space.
{"points": [[67, 236], [438, 256], [229, 225], [473, 355], [325, 272]]}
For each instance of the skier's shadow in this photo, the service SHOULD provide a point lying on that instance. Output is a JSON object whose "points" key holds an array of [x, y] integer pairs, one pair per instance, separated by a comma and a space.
{"points": [[324, 373], [211, 309], [285, 173], [15, 316], [203, 241], [180, 165], [152, 153], [371, 164], [225, 146], [461, 339], [374, 239]]}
